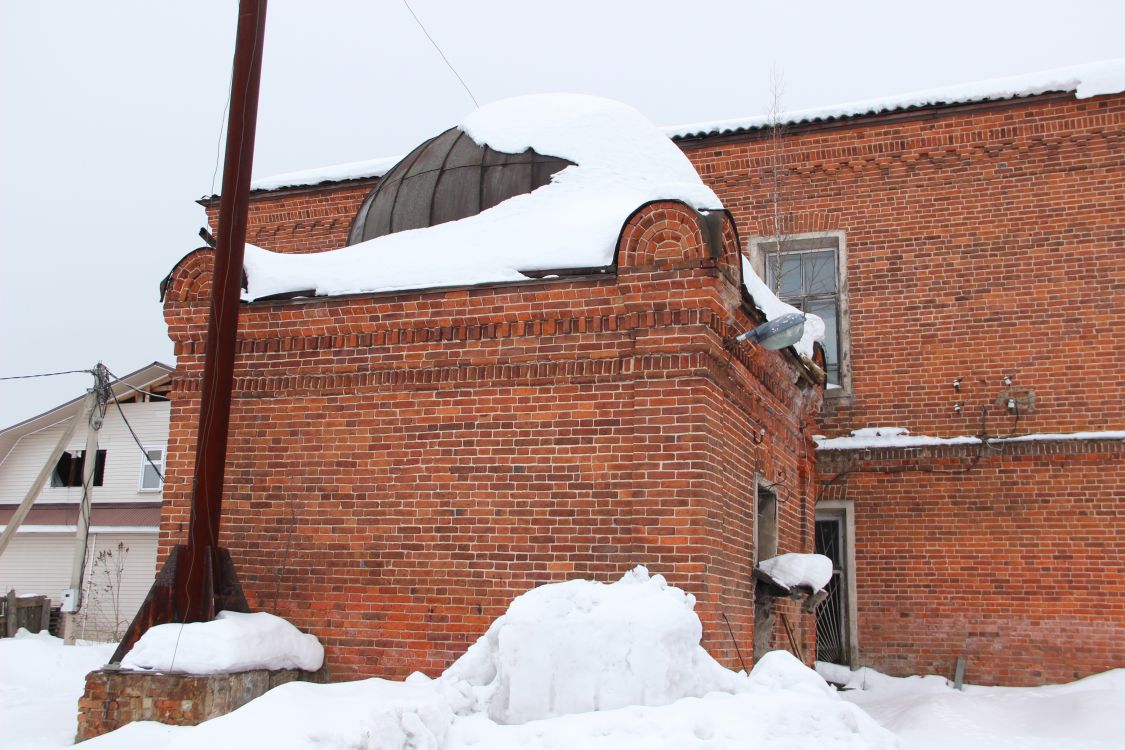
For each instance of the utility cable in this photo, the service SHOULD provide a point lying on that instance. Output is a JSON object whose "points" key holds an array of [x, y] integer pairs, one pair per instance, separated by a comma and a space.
{"points": [[136, 440], [443, 57], [44, 374]]}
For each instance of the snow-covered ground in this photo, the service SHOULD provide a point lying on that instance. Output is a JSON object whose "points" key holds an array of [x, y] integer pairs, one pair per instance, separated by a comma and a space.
{"points": [[927, 713], [40, 684], [583, 664]]}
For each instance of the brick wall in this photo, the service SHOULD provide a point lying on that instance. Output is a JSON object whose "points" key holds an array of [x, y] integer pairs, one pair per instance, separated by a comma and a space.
{"points": [[1011, 558], [983, 242], [401, 465]]}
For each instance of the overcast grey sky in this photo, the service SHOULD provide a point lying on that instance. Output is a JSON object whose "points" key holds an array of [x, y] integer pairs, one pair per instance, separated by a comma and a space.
{"points": [[111, 114]]}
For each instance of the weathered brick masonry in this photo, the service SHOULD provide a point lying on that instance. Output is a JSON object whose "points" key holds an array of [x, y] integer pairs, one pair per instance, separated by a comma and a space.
{"points": [[1015, 563], [402, 465], [982, 241]]}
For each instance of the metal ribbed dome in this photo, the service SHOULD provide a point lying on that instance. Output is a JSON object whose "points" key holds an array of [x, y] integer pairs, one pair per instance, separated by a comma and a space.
{"points": [[448, 177]]}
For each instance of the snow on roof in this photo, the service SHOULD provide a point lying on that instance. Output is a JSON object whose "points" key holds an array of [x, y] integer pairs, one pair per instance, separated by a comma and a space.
{"points": [[1092, 79], [621, 162], [355, 170]]}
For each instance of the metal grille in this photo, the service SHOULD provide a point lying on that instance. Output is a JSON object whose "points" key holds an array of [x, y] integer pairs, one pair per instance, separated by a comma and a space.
{"points": [[830, 643]]}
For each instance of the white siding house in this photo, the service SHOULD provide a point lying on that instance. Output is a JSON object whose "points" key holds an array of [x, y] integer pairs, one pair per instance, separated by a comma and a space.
{"points": [[125, 516]]}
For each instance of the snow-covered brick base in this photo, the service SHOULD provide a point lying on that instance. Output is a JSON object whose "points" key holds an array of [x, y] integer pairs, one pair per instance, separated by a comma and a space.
{"points": [[376, 714], [583, 646], [232, 642]]}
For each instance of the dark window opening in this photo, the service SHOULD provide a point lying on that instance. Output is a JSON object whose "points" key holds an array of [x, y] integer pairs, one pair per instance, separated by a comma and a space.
{"points": [[765, 530], [68, 471]]}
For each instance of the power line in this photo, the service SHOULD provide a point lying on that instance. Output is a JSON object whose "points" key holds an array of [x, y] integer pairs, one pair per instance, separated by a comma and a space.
{"points": [[136, 439], [44, 374], [119, 381], [443, 57]]}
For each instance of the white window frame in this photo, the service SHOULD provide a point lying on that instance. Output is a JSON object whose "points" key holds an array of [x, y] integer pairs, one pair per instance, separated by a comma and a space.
{"points": [[162, 463], [758, 248]]}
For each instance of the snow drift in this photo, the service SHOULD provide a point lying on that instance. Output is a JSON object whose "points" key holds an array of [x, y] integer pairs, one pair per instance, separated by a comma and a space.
{"points": [[577, 664], [583, 646]]}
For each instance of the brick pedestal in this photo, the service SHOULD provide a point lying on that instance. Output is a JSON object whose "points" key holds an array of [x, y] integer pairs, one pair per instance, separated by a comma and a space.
{"points": [[116, 697]]}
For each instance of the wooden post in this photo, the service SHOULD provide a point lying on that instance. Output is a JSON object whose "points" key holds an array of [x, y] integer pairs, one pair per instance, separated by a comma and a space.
{"points": [[89, 468], [10, 617], [198, 578], [196, 598]]}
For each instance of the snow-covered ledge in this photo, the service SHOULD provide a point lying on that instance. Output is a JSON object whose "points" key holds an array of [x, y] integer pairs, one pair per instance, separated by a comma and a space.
{"points": [[900, 437]]}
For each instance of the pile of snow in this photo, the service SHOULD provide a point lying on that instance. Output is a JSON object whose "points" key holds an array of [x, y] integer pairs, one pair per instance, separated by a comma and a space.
{"points": [[783, 704], [772, 307], [794, 569], [927, 713], [41, 681], [621, 162], [232, 642], [585, 646], [1093, 79], [576, 664]]}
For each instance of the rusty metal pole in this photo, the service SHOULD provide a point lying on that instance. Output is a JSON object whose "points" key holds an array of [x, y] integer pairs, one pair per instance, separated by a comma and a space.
{"points": [[196, 589]]}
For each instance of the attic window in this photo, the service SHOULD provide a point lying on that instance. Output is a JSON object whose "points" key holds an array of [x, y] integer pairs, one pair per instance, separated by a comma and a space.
{"points": [[68, 471]]}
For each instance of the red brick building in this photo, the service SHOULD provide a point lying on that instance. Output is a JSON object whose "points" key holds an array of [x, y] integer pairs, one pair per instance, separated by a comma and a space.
{"points": [[403, 463], [978, 244]]}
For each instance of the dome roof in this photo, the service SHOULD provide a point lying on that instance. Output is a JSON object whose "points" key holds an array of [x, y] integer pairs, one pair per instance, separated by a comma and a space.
{"points": [[448, 177]]}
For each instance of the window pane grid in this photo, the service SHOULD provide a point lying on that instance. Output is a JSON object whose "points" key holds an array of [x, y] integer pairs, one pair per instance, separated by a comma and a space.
{"points": [[807, 280]]}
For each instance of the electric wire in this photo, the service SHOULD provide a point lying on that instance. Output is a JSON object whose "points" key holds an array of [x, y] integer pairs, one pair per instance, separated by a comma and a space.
{"points": [[136, 440], [44, 374], [222, 126], [443, 57], [143, 392]]}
